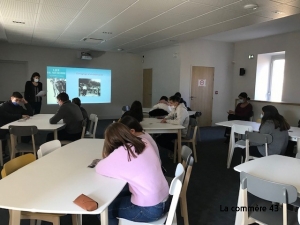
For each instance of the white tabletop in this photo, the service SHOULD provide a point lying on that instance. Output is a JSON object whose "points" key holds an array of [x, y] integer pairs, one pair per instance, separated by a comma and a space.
{"points": [[153, 125], [277, 168], [39, 120], [51, 183], [147, 110]]}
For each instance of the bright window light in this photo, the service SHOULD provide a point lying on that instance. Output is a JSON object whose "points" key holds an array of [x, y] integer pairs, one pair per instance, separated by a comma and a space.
{"points": [[277, 80]]}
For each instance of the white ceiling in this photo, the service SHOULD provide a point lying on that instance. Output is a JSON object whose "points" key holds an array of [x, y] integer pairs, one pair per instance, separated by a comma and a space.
{"points": [[137, 25]]}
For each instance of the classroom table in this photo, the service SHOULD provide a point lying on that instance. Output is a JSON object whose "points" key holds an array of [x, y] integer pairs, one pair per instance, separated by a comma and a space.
{"points": [[39, 120], [276, 168], [51, 183], [154, 126], [147, 110]]}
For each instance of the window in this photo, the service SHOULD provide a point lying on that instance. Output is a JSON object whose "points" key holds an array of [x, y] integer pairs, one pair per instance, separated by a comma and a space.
{"points": [[270, 76]]}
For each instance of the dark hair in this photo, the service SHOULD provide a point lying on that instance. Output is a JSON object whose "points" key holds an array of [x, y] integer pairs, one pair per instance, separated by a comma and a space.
{"points": [[63, 97], [164, 98], [175, 98], [76, 101], [244, 95], [116, 135], [178, 94], [34, 75], [271, 113], [136, 111], [17, 95], [132, 123]]}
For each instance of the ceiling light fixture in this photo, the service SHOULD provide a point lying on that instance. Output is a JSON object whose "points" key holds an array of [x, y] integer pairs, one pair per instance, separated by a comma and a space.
{"points": [[106, 32], [19, 22], [251, 6], [278, 12], [120, 49], [92, 40]]}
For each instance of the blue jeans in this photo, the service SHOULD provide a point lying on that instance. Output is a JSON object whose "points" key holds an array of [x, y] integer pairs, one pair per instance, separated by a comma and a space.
{"points": [[122, 207]]}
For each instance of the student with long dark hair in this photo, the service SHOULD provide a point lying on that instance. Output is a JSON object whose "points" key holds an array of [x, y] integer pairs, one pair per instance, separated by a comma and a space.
{"points": [[132, 159], [136, 111], [274, 124]]}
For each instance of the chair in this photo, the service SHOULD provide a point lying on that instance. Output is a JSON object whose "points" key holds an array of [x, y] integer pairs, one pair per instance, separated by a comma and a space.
{"points": [[12, 166], [179, 170], [1, 150], [298, 155], [194, 128], [20, 131], [268, 192], [257, 138], [240, 130], [91, 133], [170, 217], [183, 206], [48, 147], [125, 108], [65, 142], [251, 116]]}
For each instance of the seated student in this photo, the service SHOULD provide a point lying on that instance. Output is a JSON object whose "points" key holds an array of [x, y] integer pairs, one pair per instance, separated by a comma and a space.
{"points": [[136, 111], [11, 111], [243, 111], [178, 115], [274, 124], [181, 99], [133, 160], [83, 111], [72, 117], [137, 130], [162, 108]]}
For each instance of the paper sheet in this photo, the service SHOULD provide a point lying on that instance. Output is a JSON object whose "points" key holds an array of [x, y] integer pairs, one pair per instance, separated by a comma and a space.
{"points": [[41, 94]]}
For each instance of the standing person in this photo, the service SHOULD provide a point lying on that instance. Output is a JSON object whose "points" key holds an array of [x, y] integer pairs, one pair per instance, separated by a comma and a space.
{"points": [[274, 124], [179, 116], [72, 117], [136, 111], [133, 160], [32, 88]]}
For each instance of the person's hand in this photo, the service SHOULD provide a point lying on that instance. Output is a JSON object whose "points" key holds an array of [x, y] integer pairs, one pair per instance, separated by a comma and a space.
{"points": [[25, 117], [230, 112], [163, 121], [24, 101]]}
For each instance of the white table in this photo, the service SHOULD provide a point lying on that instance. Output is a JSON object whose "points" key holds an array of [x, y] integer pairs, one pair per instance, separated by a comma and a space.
{"points": [[39, 120], [147, 110], [154, 126], [277, 168], [51, 183]]}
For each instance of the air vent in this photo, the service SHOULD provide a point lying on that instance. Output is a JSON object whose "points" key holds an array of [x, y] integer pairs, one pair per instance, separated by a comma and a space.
{"points": [[93, 40], [106, 32]]}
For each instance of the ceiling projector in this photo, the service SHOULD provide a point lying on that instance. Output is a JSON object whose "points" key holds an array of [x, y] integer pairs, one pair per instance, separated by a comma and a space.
{"points": [[86, 56]]}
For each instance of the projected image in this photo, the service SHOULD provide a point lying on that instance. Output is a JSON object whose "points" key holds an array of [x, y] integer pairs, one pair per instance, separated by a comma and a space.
{"points": [[89, 87]]}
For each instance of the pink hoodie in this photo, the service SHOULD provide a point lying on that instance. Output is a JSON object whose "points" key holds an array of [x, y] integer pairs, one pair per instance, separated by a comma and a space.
{"points": [[147, 183]]}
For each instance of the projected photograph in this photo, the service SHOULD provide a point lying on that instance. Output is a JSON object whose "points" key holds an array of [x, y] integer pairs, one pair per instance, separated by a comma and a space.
{"points": [[89, 87], [58, 86]]}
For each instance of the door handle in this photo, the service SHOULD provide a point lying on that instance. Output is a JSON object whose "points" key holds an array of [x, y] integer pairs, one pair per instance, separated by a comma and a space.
{"points": [[192, 97]]}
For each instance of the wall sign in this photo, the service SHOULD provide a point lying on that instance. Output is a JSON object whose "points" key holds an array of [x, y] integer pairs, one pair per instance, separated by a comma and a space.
{"points": [[202, 83]]}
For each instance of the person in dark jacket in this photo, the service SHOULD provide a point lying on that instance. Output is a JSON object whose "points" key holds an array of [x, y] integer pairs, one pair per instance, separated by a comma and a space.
{"points": [[32, 88], [181, 99], [83, 111], [71, 116], [11, 111], [136, 111]]}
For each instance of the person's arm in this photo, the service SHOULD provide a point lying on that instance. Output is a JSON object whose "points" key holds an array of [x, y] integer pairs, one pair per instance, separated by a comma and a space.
{"points": [[180, 117], [9, 116], [27, 90], [28, 111], [58, 116], [154, 107]]}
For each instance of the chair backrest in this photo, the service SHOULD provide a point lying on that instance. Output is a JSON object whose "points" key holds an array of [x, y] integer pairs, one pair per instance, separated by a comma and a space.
{"points": [[259, 138], [268, 190], [298, 155], [186, 152], [48, 147], [83, 128], [179, 172], [22, 130], [240, 129], [16, 163], [198, 114], [125, 108], [93, 124], [187, 175], [175, 189]]}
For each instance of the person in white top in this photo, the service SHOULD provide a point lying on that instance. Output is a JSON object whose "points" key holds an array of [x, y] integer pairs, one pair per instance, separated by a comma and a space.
{"points": [[179, 116], [163, 104]]}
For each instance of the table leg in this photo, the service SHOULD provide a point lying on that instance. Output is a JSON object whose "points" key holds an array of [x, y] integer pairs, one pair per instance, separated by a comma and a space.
{"points": [[298, 145], [104, 217], [76, 219], [55, 134], [229, 153], [179, 145], [15, 217]]}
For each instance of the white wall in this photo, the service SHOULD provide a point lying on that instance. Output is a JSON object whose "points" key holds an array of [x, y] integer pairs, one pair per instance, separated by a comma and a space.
{"points": [[126, 73], [209, 54], [165, 64], [289, 43]]}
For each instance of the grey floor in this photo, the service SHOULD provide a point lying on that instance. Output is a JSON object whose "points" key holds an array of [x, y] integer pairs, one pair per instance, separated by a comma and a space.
{"points": [[211, 186]]}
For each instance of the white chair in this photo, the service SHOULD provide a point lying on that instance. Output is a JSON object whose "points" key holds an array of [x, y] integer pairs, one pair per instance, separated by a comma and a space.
{"points": [[170, 217], [193, 127], [257, 138], [91, 133], [240, 130], [48, 147]]}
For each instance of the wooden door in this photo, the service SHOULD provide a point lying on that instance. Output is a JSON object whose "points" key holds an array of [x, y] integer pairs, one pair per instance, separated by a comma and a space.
{"points": [[147, 88], [202, 93]]}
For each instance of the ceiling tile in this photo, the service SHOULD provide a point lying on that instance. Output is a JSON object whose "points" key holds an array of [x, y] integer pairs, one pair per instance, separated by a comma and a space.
{"points": [[70, 4], [8, 6], [28, 21], [282, 1], [70, 35], [158, 6], [295, 3], [193, 9], [216, 3], [112, 7]]}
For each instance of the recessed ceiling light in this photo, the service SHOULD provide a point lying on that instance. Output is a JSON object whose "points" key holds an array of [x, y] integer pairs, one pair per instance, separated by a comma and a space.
{"points": [[278, 12], [120, 49], [106, 32], [93, 40], [19, 22], [251, 6]]}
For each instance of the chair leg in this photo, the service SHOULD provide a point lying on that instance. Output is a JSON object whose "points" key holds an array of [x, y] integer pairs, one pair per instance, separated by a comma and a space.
{"points": [[38, 222], [175, 151], [32, 222], [56, 220], [76, 219], [1, 155], [195, 150], [181, 205], [185, 211]]}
